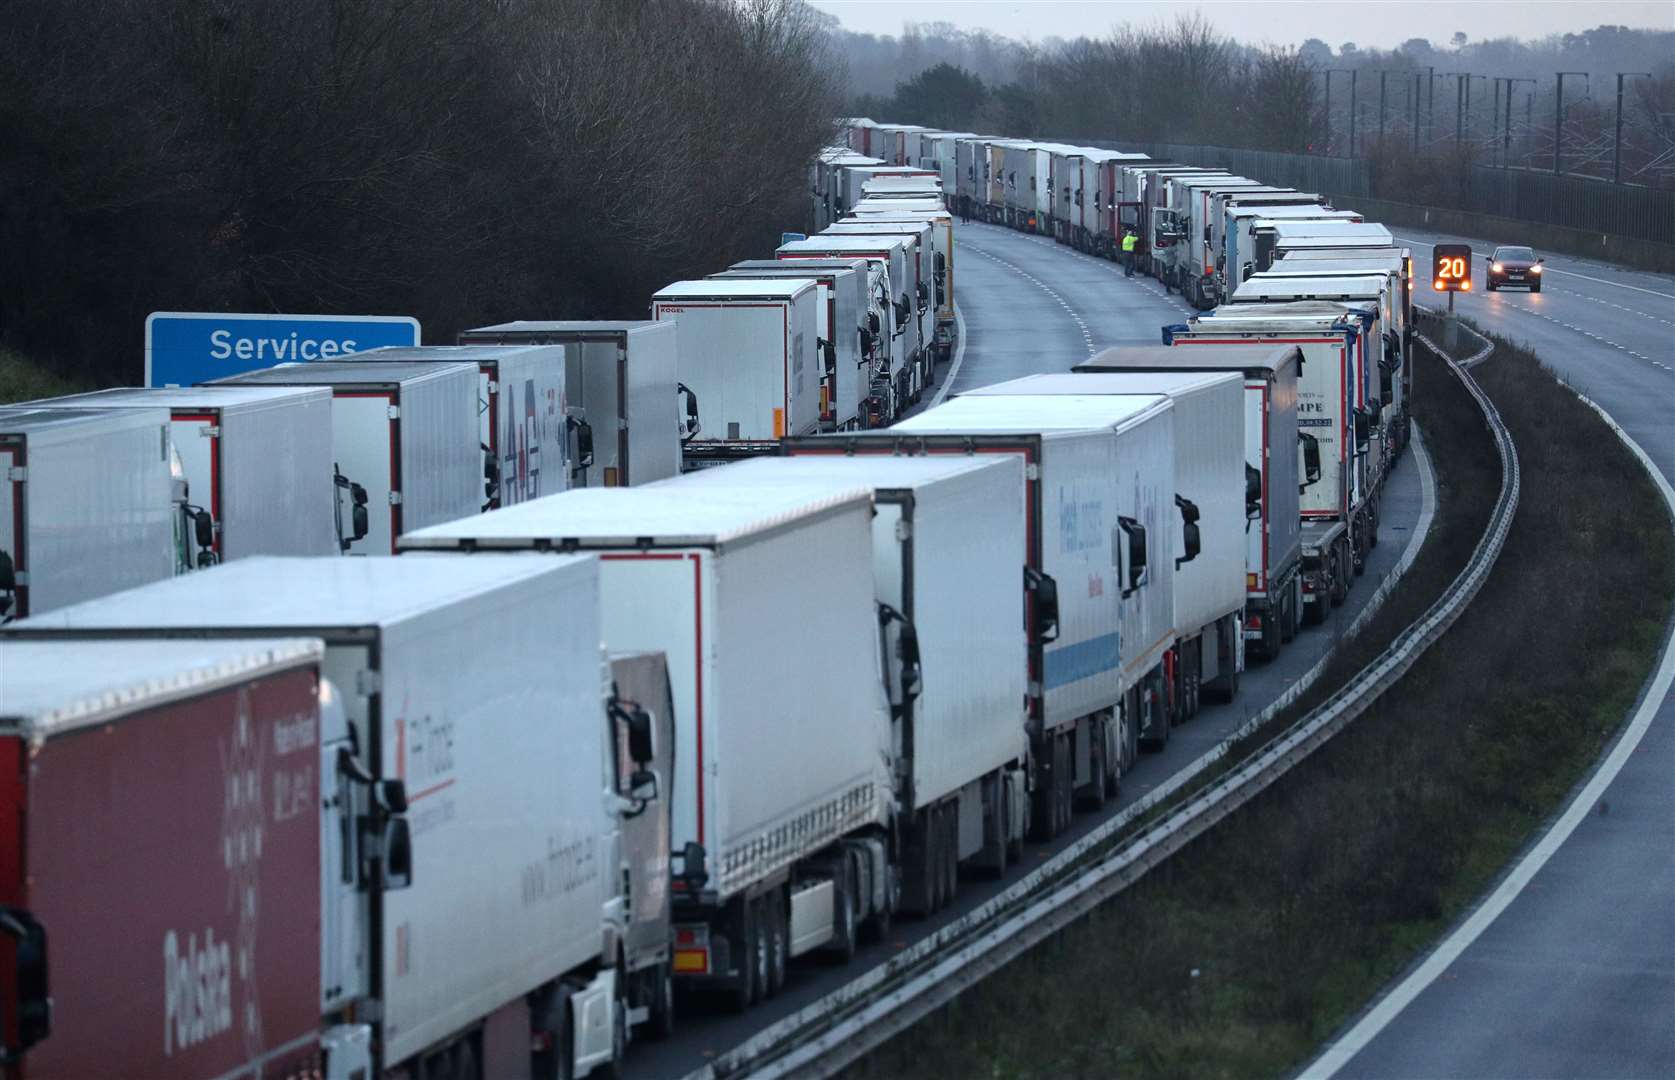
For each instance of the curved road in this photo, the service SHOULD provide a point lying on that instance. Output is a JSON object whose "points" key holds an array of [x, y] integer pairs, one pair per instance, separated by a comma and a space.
{"points": [[1031, 306], [1575, 976]]}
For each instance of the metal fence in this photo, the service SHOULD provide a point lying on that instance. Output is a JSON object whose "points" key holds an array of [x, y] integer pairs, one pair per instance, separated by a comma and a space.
{"points": [[1575, 202]]}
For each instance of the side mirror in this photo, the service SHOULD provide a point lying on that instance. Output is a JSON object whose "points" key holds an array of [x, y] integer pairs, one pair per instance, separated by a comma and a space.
{"points": [[33, 1003], [1045, 591], [1253, 491], [873, 326], [902, 683], [638, 723], [690, 427], [829, 351], [1363, 428], [8, 582], [584, 445], [1191, 541], [1135, 534], [203, 528], [904, 310], [396, 867], [358, 520], [642, 788], [941, 264], [391, 796], [694, 874], [1311, 459], [491, 479]]}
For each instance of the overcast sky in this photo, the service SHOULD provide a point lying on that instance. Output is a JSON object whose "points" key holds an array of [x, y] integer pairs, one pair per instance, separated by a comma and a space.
{"points": [[1369, 23]]}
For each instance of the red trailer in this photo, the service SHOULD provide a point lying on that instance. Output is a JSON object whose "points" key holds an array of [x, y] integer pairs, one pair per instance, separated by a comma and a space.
{"points": [[160, 860]]}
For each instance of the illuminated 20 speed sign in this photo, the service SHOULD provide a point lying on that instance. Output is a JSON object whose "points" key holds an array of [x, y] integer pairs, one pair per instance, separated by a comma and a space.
{"points": [[1451, 268]]}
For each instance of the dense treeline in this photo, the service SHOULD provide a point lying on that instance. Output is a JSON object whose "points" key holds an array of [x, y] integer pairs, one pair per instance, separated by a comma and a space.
{"points": [[463, 161], [1186, 82]]}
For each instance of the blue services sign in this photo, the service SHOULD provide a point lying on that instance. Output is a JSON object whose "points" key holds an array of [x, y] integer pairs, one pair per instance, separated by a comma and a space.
{"points": [[184, 348]]}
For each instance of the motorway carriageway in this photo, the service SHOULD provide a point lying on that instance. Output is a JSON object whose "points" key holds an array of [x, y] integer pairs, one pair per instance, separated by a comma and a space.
{"points": [[1031, 306], [1568, 969]]}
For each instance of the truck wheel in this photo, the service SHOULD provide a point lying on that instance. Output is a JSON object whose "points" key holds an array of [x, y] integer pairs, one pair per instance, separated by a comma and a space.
{"points": [[1043, 813], [1095, 797], [662, 1021], [1288, 620], [842, 948], [744, 994], [1067, 779], [779, 956]]}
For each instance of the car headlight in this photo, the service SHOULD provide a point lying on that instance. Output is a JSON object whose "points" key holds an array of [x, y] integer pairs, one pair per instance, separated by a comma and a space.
{"points": [[1535, 269], [1497, 268]]}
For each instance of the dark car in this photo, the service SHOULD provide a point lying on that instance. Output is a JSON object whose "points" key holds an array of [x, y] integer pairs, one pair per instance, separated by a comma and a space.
{"points": [[1514, 266]]}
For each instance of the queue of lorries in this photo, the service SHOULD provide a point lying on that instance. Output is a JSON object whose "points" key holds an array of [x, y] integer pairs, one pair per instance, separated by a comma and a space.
{"points": [[436, 711]]}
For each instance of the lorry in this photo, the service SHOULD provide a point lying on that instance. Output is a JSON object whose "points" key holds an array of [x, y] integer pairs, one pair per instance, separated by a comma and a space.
{"points": [[1188, 262], [751, 352], [1208, 560], [1097, 474], [125, 758], [1271, 236], [912, 186], [1393, 291], [620, 387], [942, 246], [853, 178], [1375, 298], [406, 433], [525, 445], [88, 505], [257, 461], [941, 154], [827, 184], [1236, 249], [924, 266], [971, 175], [1280, 460], [1339, 510], [898, 333], [782, 800], [1097, 230], [1141, 188], [947, 549], [846, 380], [472, 896], [1008, 168]]}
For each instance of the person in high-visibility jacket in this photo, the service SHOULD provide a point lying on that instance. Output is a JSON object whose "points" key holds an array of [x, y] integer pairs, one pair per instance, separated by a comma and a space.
{"points": [[1129, 241]]}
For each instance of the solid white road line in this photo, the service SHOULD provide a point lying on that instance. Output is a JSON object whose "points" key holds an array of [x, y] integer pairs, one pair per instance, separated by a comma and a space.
{"points": [[1341, 1052], [959, 358]]}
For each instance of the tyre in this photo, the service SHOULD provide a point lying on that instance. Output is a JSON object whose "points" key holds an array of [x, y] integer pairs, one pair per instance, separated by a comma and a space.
{"points": [[1536, 287], [1314, 614], [1043, 812], [744, 994], [661, 1024], [779, 956], [1288, 621], [1096, 792], [1014, 846], [935, 883], [842, 948], [1492, 286]]}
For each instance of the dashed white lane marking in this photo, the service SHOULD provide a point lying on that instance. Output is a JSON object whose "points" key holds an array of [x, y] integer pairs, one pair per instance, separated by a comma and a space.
{"points": [[1081, 323], [1508, 305]]}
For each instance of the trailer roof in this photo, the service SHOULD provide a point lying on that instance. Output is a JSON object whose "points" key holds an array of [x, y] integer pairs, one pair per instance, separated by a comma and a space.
{"points": [[863, 212], [188, 397], [272, 594], [1351, 267], [343, 373], [1165, 358], [1335, 253], [1287, 230], [1264, 286], [874, 471], [829, 243], [1169, 384], [1292, 212], [53, 687], [665, 515], [1279, 311], [858, 265], [578, 327], [469, 353], [29, 419], [740, 288], [1026, 414]]}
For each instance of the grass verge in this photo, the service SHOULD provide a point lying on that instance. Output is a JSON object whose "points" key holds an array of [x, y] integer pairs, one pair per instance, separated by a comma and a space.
{"points": [[1241, 954]]}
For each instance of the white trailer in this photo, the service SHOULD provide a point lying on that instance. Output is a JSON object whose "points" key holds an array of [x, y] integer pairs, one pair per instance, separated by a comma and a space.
{"points": [[942, 245], [406, 433], [1279, 460], [902, 187], [847, 376], [257, 460], [948, 547], [525, 426], [471, 885], [750, 351], [1189, 262], [922, 258], [1100, 184], [941, 153], [783, 797], [828, 183], [1209, 490], [88, 505], [1065, 192], [1098, 474], [1237, 250], [893, 384], [971, 174], [852, 178], [1275, 235], [620, 381], [1339, 519]]}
